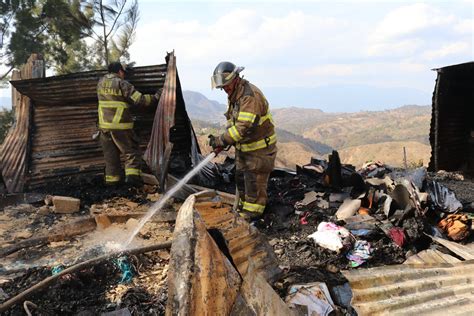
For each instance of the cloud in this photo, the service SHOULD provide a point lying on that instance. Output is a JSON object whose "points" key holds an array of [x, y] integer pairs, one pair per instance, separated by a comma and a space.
{"points": [[420, 31], [457, 48], [409, 19]]}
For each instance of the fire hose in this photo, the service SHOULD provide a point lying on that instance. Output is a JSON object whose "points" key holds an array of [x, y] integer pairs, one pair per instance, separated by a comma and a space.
{"points": [[46, 282]]}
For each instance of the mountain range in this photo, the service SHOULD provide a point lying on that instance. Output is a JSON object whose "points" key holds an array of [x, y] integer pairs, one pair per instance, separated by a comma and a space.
{"points": [[360, 136]]}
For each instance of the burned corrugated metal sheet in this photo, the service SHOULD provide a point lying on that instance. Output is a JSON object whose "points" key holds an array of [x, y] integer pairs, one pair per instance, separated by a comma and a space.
{"points": [[201, 279], [171, 134], [413, 289], [52, 140], [81, 87], [244, 241], [14, 157], [452, 127]]}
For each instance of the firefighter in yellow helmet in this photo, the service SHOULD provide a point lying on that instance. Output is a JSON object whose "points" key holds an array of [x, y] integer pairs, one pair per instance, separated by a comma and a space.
{"points": [[116, 97], [251, 130]]}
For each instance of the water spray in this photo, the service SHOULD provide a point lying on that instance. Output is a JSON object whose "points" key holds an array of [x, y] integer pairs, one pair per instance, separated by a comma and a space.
{"points": [[161, 202]]}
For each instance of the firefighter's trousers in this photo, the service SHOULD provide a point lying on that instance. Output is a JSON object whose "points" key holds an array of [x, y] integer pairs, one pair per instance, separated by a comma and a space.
{"points": [[251, 176], [115, 143]]}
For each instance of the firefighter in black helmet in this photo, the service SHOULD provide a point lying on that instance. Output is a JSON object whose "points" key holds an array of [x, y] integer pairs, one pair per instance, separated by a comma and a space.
{"points": [[251, 130], [116, 97]]}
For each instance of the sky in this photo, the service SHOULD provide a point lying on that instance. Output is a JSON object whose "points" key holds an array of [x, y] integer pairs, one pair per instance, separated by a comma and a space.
{"points": [[332, 55]]}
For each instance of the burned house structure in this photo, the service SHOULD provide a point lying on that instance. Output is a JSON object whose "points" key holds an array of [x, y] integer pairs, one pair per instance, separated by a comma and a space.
{"points": [[51, 141], [452, 123]]}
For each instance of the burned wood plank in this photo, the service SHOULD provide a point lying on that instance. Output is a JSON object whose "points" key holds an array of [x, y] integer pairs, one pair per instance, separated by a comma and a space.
{"points": [[201, 280]]}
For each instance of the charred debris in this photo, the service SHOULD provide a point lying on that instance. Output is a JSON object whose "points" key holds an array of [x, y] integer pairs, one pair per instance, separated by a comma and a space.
{"points": [[325, 223]]}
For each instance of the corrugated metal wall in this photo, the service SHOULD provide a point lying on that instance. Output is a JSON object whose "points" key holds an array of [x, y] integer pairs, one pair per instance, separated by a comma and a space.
{"points": [[61, 123], [452, 119], [14, 157]]}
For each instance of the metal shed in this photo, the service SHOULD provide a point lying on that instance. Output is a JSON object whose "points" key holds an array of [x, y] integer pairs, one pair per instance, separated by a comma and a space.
{"points": [[51, 141], [452, 123]]}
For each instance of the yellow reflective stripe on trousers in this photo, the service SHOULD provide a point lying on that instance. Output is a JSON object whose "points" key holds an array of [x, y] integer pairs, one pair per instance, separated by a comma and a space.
{"points": [[252, 207], [263, 143], [234, 133], [132, 172], [136, 96], [246, 117], [112, 178]]}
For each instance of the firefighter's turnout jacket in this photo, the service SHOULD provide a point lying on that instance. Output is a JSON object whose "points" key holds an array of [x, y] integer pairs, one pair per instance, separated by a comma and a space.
{"points": [[116, 96], [251, 130]]}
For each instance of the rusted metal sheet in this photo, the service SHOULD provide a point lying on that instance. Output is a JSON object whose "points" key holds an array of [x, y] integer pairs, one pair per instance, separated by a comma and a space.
{"points": [[244, 241], [451, 125], [81, 87], [172, 134], [14, 156], [413, 289], [201, 280]]}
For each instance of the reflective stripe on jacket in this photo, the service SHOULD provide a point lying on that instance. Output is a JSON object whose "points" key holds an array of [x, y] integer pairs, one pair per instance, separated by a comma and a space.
{"points": [[115, 98], [250, 125]]}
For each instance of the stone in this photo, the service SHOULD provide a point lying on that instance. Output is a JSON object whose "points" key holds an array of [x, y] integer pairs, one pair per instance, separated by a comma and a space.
{"points": [[44, 210], [102, 221], [131, 223], [66, 205]]}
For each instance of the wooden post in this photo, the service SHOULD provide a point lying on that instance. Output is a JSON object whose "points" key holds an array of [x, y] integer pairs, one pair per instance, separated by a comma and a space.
{"points": [[405, 157]]}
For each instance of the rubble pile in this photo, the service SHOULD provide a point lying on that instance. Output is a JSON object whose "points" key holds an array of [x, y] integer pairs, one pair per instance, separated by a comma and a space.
{"points": [[322, 221], [327, 217]]}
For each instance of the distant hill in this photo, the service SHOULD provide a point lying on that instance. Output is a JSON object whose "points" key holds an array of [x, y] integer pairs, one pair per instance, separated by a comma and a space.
{"points": [[341, 130], [390, 153], [359, 137], [201, 108]]}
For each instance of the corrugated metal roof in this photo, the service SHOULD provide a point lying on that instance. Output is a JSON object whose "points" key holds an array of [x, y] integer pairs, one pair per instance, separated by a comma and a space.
{"points": [[81, 87], [413, 289]]}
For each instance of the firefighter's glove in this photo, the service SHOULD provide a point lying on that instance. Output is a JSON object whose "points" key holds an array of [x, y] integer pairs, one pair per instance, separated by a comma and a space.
{"points": [[216, 142]]}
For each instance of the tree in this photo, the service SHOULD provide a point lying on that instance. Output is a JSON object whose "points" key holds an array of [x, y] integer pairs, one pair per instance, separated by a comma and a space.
{"points": [[115, 25], [43, 26], [60, 29]]}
